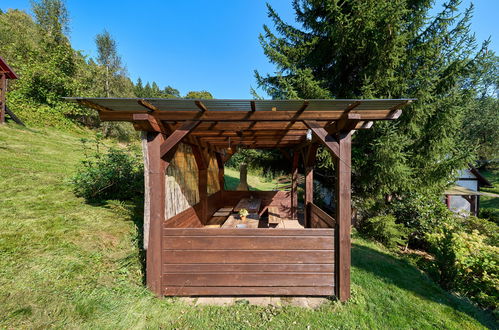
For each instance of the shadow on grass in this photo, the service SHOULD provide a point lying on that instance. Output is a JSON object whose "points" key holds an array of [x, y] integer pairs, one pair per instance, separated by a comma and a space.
{"points": [[404, 275], [232, 182]]}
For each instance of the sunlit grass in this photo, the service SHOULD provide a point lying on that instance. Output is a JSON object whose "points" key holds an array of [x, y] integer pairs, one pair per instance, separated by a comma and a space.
{"points": [[65, 263]]}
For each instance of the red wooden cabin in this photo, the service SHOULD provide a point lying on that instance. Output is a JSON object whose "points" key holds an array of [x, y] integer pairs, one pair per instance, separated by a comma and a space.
{"points": [[194, 245], [5, 73]]}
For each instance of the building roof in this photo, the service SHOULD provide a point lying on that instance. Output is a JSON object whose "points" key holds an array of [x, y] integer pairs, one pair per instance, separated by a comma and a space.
{"points": [[481, 179], [249, 123], [5, 68]]}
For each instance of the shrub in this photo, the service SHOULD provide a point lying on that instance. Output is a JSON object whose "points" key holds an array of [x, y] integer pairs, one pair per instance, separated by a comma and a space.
{"points": [[421, 213], [115, 174], [465, 263], [384, 230], [490, 214]]}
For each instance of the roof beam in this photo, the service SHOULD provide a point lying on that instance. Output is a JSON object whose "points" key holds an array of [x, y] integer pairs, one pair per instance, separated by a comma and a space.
{"points": [[168, 145], [155, 111], [285, 116], [323, 136]]}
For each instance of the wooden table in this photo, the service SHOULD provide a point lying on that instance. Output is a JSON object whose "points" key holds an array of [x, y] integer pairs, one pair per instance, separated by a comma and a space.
{"points": [[250, 204], [252, 221]]}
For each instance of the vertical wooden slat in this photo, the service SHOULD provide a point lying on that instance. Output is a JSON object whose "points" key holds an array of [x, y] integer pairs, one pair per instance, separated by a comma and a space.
{"points": [[221, 169], [343, 216], [156, 192], [294, 185], [202, 164]]}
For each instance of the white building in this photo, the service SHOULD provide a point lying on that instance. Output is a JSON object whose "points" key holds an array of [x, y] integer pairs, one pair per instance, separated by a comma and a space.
{"points": [[464, 196]]}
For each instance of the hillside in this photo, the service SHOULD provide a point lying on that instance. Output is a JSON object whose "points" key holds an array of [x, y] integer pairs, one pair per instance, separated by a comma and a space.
{"points": [[67, 263]]}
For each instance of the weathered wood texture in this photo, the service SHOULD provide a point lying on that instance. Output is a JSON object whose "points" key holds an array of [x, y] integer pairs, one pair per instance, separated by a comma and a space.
{"points": [[236, 262], [318, 218]]}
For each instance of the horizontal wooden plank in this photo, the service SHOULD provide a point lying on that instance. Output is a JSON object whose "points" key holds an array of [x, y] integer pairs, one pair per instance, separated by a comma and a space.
{"points": [[249, 291], [248, 256], [241, 268], [248, 243], [247, 279], [248, 116], [247, 232]]}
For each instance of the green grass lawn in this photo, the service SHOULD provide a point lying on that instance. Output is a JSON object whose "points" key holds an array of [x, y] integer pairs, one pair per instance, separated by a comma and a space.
{"points": [[255, 182], [486, 201], [65, 263]]}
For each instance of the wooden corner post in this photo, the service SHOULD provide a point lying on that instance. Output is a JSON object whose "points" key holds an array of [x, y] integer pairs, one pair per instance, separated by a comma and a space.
{"points": [[155, 210], [343, 216]]}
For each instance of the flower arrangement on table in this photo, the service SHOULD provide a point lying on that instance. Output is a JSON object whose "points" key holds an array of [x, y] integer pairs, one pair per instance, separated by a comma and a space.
{"points": [[243, 213]]}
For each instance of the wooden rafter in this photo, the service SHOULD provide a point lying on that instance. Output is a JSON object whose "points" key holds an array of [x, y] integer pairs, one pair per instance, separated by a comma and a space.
{"points": [[95, 106], [201, 106], [323, 136], [176, 137]]}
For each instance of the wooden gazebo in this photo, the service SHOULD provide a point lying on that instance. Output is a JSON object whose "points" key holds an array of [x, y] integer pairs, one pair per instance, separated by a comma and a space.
{"points": [[192, 250]]}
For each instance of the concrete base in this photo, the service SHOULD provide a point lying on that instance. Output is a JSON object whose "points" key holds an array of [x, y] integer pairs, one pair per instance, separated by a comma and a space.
{"points": [[305, 302]]}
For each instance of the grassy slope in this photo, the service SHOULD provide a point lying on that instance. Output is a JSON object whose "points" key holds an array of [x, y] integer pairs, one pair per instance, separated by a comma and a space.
{"points": [[486, 201], [66, 263], [255, 183]]}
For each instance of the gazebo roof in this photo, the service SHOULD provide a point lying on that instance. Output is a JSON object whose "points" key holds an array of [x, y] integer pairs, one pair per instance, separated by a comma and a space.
{"points": [[252, 123]]}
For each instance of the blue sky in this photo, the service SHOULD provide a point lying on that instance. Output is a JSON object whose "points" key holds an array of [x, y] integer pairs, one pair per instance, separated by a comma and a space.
{"points": [[199, 45]]}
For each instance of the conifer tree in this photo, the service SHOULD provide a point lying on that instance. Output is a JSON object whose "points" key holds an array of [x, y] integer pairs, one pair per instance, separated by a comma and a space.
{"points": [[383, 49]]}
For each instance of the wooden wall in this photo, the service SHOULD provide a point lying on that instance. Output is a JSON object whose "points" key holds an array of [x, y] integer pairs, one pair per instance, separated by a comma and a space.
{"points": [[231, 262], [318, 218]]}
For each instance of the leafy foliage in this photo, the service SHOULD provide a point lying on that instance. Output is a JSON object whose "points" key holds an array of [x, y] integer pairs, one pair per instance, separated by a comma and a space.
{"points": [[384, 49], [466, 263], [115, 174], [385, 230]]}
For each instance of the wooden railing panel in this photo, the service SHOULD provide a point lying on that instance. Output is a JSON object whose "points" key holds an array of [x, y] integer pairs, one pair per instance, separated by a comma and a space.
{"points": [[319, 218], [232, 262]]}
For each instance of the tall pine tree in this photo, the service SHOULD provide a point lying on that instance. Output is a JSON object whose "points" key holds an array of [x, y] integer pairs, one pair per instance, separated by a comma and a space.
{"points": [[383, 49]]}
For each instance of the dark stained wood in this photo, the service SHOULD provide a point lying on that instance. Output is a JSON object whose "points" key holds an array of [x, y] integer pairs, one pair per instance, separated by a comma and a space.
{"points": [[176, 137], [343, 217], [221, 170], [346, 123], [319, 218], [156, 192], [247, 267], [249, 243], [185, 219], [309, 180], [147, 122], [285, 116], [247, 279], [245, 232], [276, 133], [323, 136], [249, 291], [294, 185], [245, 256]]}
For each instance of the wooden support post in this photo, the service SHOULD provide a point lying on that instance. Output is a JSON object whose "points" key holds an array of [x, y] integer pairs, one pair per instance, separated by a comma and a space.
{"points": [[294, 185], [309, 181], [3, 90], [473, 208], [155, 196], [343, 217], [202, 164]]}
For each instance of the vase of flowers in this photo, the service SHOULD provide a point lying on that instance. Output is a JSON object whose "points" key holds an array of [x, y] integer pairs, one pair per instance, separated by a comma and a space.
{"points": [[243, 213]]}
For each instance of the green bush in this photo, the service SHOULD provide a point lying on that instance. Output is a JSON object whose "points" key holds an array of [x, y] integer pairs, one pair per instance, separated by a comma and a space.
{"points": [[114, 174], [465, 263], [421, 213], [384, 230], [490, 214]]}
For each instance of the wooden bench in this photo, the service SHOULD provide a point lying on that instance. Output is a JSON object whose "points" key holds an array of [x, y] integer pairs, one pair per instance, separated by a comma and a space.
{"points": [[274, 216]]}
